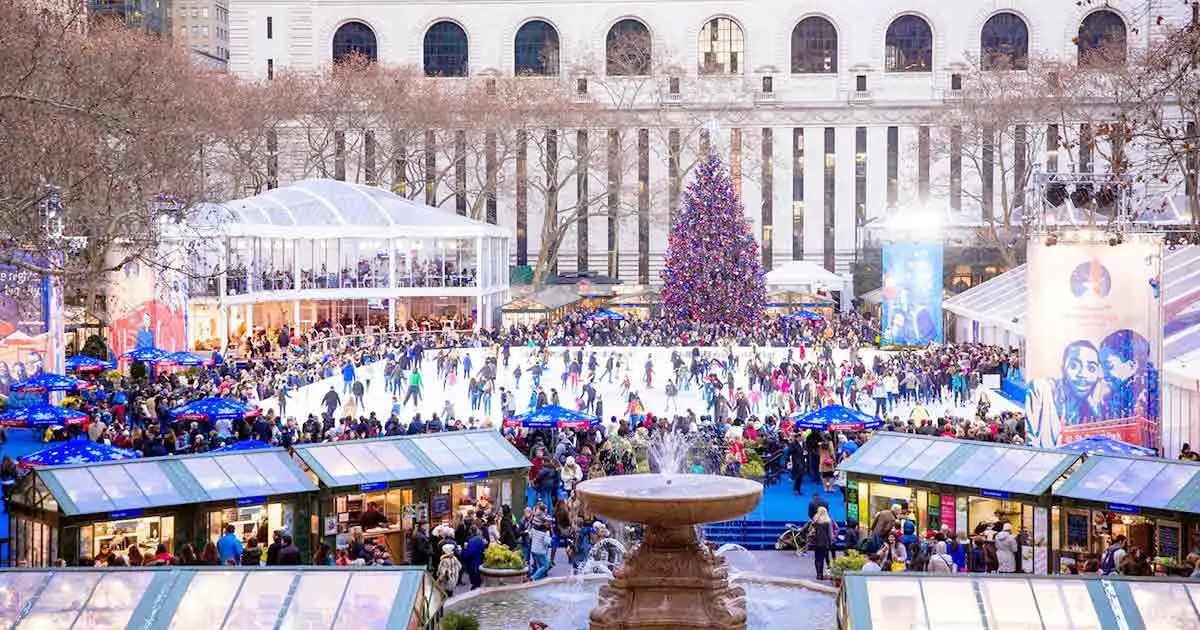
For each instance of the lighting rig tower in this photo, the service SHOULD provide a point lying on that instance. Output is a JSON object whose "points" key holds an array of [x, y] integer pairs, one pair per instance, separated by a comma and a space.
{"points": [[1074, 201]]}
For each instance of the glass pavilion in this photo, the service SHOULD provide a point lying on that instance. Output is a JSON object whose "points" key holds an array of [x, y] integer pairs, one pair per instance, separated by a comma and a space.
{"points": [[86, 511], [957, 484], [330, 251], [411, 480], [366, 598], [885, 601], [1154, 503]]}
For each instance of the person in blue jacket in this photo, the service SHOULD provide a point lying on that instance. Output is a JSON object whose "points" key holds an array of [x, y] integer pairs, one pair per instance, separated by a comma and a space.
{"points": [[472, 558], [347, 377], [229, 547]]}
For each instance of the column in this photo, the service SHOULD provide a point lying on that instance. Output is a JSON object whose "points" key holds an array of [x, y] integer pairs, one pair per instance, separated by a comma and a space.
{"points": [[392, 313], [480, 314], [249, 319], [296, 314], [223, 325]]}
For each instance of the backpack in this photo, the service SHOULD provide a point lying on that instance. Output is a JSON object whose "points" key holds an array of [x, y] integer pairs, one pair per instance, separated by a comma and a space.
{"points": [[1108, 564]]}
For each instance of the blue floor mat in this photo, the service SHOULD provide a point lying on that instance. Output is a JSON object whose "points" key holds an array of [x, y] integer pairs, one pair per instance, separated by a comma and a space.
{"points": [[779, 503], [22, 442]]}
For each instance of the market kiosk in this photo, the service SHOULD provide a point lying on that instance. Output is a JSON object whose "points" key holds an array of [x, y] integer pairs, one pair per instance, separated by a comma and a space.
{"points": [[959, 484], [883, 601], [1155, 503], [410, 480], [81, 512]]}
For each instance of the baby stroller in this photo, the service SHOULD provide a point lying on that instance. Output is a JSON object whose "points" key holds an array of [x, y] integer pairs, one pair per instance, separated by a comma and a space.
{"points": [[794, 538]]}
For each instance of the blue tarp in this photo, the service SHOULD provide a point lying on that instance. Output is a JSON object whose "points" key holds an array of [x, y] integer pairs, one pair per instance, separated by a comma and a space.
{"points": [[85, 363], [47, 382], [183, 358], [243, 445], [213, 409], [553, 416], [76, 452], [836, 418], [146, 355], [41, 415], [1103, 445], [804, 315]]}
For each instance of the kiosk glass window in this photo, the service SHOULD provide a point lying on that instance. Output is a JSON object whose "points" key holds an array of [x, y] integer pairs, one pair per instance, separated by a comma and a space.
{"points": [[956, 606], [896, 603], [976, 463], [119, 487], [921, 466], [500, 454], [278, 475], [112, 603], [1166, 486], [261, 597], [998, 474], [904, 455], [1099, 478], [1009, 604], [1035, 470], [1065, 605], [118, 536], [16, 589], [336, 464], [315, 601], [372, 597], [207, 599], [58, 604], [440, 455], [876, 452], [1125, 487], [87, 495], [364, 461], [1164, 606], [154, 483], [392, 457], [215, 482]]}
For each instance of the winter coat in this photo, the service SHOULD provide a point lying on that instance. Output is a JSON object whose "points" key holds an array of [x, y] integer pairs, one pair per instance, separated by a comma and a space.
{"points": [[448, 570], [1006, 552]]}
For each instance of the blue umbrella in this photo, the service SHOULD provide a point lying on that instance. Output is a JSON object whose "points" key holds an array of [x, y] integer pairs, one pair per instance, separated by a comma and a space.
{"points": [[804, 315], [85, 363], [836, 418], [183, 358], [76, 452], [213, 409], [146, 355], [242, 445], [47, 382], [41, 415], [1104, 445], [553, 416]]}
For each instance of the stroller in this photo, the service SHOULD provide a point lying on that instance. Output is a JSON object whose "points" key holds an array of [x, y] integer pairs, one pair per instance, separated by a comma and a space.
{"points": [[794, 538]]}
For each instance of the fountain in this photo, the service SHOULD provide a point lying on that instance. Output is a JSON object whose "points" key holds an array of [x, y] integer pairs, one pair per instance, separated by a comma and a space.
{"points": [[670, 581]]}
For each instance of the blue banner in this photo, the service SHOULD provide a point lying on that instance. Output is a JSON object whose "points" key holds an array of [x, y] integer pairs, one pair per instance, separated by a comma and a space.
{"points": [[912, 294]]}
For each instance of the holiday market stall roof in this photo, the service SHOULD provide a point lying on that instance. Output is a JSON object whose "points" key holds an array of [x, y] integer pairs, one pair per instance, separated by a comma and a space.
{"points": [[963, 463], [803, 273], [405, 458], [328, 598], [1142, 483]]}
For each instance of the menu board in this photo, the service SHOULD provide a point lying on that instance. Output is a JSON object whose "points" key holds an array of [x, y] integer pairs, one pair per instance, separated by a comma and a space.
{"points": [[935, 512], [852, 501], [1168, 541], [1077, 531], [948, 512], [441, 506]]}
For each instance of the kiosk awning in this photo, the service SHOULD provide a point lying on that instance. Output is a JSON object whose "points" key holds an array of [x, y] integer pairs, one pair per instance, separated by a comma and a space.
{"points": [[163, 481], [405, 458], [964, 463], [218, 598], [878, 601], [1157, 484]]}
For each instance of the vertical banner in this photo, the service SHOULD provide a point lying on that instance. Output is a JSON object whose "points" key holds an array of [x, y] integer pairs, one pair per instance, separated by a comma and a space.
{"points": [[912, 294], [27, 340], [1094, 341], [147, 304]]}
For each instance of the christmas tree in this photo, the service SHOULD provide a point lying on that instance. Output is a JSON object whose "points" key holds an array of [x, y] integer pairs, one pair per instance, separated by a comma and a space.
{"points": [[712, 273]]}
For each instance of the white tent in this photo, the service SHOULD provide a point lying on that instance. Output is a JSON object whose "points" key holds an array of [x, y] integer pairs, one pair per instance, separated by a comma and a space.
{"points": [[806, 276]]}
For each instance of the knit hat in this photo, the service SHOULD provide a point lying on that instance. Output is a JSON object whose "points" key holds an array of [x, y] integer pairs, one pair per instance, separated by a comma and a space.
{"points": [[448, 548]]}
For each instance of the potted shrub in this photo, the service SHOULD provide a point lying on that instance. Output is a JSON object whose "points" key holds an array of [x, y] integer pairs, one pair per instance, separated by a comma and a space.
{"points": [[502, 565], [458, 621], [852, 561], [754, 470]]}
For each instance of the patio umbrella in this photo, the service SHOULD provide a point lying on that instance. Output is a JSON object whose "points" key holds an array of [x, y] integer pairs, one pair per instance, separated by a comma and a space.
{"points": [[836, 418], [186, 359], [1104, 445], [76, 452], [242, 445], [41, 415], [145, 355], [85, 363], [553, 416], [20, 339], [214, 409], [47, 382]]}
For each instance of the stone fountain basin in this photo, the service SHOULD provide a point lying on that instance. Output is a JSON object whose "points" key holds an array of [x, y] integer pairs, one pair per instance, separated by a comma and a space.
{"points": [[670, 500]]}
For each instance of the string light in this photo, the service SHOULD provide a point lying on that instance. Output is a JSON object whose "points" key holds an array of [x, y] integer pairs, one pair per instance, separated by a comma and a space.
{"points": [[713, 274]]}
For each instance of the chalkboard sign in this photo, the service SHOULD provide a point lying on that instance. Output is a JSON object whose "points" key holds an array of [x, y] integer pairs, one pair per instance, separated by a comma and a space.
{"points": [[852, 501], [1077, 531], [441, 505], [935, 512], [1168, 541]]}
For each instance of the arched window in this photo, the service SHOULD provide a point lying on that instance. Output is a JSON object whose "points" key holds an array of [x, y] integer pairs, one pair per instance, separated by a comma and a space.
{"points": [[722, 47], [354, 38], [446, 50], [1101, 39], [535, 50], [908, 45], [628, 49], [814, 46], [1004, 43]]}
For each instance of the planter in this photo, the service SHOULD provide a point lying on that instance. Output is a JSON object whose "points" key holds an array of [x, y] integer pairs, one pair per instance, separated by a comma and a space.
{"points": [[837, 582], [503, 577]]}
